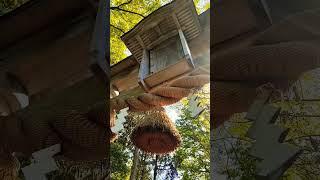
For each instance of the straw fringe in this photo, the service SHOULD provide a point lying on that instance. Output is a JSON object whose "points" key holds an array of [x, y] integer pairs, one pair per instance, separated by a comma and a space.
{"points": [[9, 167], [156, 133]]}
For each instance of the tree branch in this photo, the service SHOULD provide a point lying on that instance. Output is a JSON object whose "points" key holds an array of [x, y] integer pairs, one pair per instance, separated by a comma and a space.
{"points": [[119, 29], [128, 11], [299, 115], [302, 137], [125, 3]]}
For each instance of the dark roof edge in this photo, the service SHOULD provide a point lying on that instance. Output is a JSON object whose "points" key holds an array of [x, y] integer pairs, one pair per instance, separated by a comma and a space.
{"points": [[19, 9], [154, 12]]}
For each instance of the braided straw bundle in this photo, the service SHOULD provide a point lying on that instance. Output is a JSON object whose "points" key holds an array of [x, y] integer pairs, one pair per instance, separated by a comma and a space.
{"points": [[99, 115], [9, 167], [278, 55], [85, 136], [156, 133], [163, 96]]}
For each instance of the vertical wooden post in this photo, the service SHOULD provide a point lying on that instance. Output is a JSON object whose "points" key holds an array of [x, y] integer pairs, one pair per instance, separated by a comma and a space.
{"points": [[185, 47], [144, 68], [99, 48], [184, 42]]}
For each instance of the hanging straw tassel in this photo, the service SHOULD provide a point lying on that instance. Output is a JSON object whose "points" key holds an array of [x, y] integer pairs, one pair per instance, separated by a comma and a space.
{"points": [[156, 133], [9, 167]]}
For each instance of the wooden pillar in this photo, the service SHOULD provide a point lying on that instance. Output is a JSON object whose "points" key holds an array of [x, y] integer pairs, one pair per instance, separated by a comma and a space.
{"points": [[186, 49], [144, 69]]}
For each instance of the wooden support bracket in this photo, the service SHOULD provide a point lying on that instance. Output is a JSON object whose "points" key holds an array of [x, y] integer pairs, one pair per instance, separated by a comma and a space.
{"points": [[186, 49]]}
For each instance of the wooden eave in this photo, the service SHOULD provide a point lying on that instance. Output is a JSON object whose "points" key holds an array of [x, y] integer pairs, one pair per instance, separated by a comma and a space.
{"points": [[123, 65], [35, 16], [162, 24]]}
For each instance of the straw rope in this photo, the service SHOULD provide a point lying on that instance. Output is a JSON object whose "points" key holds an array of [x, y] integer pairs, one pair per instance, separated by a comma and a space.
{"points": [[9, 167], [165, 95], [278, 55], [83, 135]]}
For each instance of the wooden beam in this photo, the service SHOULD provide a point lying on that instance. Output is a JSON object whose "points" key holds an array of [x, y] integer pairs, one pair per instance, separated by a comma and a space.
{"points": [[98, 49], [127, 80], [40, 15], [94, 4], [140, 41], [168, 73], [141, 44], [157, 28], [82, 95], [176, 21], [185, 48]]}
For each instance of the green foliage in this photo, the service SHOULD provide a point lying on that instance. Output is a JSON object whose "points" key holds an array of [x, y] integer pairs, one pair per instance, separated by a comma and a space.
{"points": [[201, 5], [301, 117], [9, 5], [119, 159], [122, 153], [125, 14], [193, 157], [304, 132]]}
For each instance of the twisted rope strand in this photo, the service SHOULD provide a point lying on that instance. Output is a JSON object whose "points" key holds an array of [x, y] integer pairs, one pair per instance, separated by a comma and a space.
{"points": [[163, 96]]}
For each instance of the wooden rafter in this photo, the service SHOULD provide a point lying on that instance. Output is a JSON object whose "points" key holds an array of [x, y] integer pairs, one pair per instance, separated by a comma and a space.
{"points": [[176, 21]]}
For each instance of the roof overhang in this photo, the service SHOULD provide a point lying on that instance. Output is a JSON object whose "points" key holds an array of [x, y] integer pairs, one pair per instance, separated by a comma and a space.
{"points": [[162, 24], [36, 15]]}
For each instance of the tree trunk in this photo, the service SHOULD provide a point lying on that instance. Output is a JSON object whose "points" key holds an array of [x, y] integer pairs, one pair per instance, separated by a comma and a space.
{"points": [[155, 168], [134, 168], [143, 166]]}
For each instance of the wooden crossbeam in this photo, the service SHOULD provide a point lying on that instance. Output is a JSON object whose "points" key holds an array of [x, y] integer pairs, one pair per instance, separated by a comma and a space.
{"points": [[158, 30], [140, 41]]}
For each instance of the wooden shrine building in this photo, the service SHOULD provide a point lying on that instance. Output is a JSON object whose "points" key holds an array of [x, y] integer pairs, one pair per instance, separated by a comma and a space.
{"points": [[136, 74]]}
